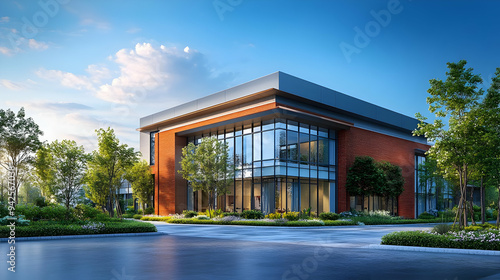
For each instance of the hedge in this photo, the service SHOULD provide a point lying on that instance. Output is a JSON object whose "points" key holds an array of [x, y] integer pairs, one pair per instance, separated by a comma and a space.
{"points": [[55, 229], [157, 219], [425, 239]]}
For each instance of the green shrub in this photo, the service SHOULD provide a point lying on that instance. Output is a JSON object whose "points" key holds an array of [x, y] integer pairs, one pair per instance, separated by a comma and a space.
{"points": [[189, 213], [212, 213], [56, 213], [489, 214], [252, 214], [158, 219], [225, 214], [130, 211], [202, 217], [140, 212], [128, 216], [448, 214], [51, 228], [441, 228], [291, 216], [305, 214], [461, 240], [40, 202], [137, 216], [415, 238], [495, 214], [149, 211], [274, 216], [329, 216], [339, 223], [31, 212], [86, 212], [426, 216]]}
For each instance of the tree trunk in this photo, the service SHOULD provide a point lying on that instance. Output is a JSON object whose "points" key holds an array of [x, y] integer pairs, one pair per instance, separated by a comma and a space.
{"points": [[471, 208], [483, 204]]}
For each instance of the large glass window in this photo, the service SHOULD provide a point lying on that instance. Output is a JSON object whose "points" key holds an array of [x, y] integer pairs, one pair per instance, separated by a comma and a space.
{"points": [[238, 152], [152, 137], [268, 145], [280, 144], [280, 166], [247, 151], [292, 147], [257, 147]]}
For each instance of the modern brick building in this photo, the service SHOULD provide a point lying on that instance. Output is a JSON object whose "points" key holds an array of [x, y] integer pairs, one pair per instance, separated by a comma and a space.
{"points": [[292, 142]]}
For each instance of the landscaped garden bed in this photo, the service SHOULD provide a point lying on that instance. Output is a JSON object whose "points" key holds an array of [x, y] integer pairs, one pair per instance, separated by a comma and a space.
{"points": [[481, 237], [56, 220], [291, 219]]}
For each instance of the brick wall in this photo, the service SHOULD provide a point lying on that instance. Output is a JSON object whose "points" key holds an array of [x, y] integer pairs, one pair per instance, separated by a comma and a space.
{"points": [[360, 142]]}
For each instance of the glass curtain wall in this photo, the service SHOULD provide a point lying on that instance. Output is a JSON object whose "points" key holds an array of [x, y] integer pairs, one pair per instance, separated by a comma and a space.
{"points": [[280, 166]]}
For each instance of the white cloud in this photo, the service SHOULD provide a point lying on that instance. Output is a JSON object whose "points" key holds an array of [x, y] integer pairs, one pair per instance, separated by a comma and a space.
{"points": [[5, 51], [186, 49], [148, 78], [12, 85], [37, 45], [4, 19], [66, 79]]}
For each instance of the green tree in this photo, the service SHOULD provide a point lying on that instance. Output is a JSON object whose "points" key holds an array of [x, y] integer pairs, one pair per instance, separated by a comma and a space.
{"points": [[207, 168], [19, 140], [142, 182], [490, 142], [106, 169], [453, 130], [393, 180], [28, 193], [60, 168], [364, 178], [43, 172]]}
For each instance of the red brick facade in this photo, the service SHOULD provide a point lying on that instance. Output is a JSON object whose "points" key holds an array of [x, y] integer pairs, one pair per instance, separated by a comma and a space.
{"points": [[360, 142]]}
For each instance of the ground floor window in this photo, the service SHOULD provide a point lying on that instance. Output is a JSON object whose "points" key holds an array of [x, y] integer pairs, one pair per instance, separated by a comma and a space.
{"points": [[270, 195], [373, 203]]}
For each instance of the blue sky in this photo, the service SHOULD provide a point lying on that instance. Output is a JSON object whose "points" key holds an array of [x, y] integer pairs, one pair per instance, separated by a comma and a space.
{"points": [[80, 65]]}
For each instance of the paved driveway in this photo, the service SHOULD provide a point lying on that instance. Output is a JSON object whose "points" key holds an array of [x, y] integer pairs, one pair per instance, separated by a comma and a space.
{"points": [[338, 236], [241, 253]]}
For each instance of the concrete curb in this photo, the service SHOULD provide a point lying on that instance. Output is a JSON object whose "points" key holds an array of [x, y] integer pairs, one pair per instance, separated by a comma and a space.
{"points": [[435, 250], [38, 238]]}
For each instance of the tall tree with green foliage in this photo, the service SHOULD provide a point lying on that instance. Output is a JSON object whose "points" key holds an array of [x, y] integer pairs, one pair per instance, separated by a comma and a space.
{"points": [[453, 130], [394, 181], [60, 168], [490, 147], [106, 169], [19, 140], [43, 173], [364, 178], [207, 167], [142, 182]]}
